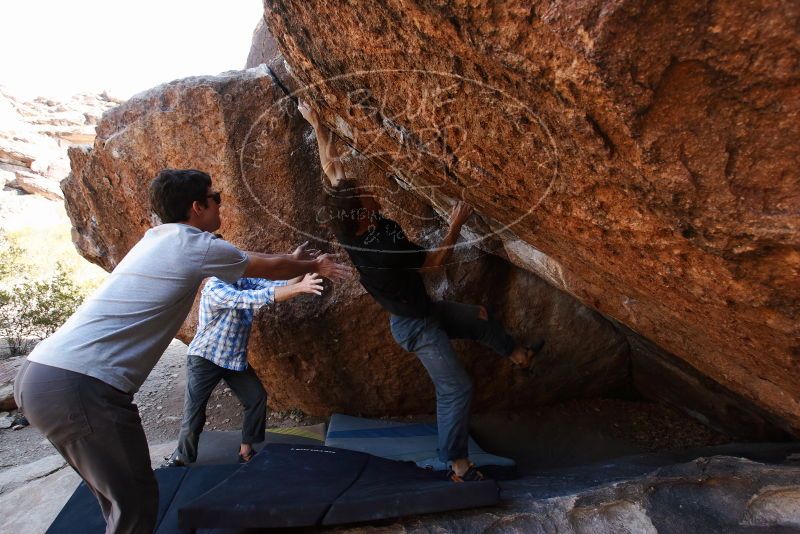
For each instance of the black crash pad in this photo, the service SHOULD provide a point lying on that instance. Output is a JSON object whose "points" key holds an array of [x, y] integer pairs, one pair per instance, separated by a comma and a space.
{"points": [[222, 447], [197, 481], [297, 485], [176, 486], [81, 514]]}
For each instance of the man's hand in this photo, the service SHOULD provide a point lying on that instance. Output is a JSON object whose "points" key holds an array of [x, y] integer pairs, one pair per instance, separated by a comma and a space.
{"points": [[311, 283], [461, 212], [330, 269], [308, 114], [303, 253], [286, 267]]}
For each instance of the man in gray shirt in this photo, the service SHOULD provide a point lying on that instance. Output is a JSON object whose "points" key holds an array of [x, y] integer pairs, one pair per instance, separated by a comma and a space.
{"points": [[77, 386]]}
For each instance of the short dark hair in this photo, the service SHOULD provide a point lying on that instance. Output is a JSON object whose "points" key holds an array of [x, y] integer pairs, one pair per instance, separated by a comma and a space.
{"points": [[173, 191], [345, 209]]}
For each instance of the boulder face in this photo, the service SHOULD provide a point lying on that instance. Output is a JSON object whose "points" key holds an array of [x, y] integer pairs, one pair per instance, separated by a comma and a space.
{"points": [[264, 48], [333, 352], [642, 157]]}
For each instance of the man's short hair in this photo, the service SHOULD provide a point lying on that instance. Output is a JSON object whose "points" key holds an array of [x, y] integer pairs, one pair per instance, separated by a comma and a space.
{"points": [[173, 191]]}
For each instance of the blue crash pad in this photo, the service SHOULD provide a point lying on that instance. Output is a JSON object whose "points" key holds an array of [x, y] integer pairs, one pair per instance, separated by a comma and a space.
{"points": [[415, 442]]}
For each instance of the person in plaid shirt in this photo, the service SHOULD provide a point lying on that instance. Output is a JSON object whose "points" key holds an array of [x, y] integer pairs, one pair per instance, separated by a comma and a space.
{"points": [[219, 352]]}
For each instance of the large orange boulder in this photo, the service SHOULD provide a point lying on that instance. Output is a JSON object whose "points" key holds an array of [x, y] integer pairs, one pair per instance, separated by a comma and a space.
{"points": [[642, 157]]}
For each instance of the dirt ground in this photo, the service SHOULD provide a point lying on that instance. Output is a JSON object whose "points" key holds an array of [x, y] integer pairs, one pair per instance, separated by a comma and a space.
{"points": [[160, 402]]}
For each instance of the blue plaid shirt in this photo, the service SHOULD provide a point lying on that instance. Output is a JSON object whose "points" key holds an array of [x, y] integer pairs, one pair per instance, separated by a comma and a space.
{"points": [[226, 314]]}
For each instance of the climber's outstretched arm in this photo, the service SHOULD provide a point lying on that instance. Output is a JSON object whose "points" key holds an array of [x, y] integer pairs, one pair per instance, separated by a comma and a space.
{"points": [[436, 258], [328, 154]]}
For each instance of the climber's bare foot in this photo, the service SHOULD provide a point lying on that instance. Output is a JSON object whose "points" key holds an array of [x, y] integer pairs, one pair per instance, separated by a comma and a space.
{"points": [[246, 453], [462, 470], [523, 356], [460, 466]]}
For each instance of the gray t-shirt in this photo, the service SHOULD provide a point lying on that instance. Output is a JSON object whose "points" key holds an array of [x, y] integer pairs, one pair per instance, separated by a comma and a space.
{"points": [[119, 333]]}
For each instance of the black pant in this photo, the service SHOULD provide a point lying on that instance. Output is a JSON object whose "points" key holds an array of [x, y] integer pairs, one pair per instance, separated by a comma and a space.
{"points": [[202, 376], [97, 429]]}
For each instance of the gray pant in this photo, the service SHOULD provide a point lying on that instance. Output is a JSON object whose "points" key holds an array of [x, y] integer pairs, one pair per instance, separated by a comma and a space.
{"points": [[429, 337], [97, 429], [202, 376]]}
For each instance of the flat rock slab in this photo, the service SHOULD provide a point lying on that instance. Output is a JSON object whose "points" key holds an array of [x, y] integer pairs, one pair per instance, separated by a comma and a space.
{"points": [[12, 478], [34, 495]]}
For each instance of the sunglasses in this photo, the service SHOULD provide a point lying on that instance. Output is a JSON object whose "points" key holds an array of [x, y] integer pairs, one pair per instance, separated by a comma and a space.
{"points": [[216, 196]]}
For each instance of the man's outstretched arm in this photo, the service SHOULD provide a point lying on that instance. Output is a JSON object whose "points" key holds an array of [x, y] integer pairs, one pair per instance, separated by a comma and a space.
{"points": [[436, 258], [286, 266], [302, 252]]}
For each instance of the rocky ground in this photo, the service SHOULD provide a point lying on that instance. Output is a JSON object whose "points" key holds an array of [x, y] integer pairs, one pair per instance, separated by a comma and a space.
{"points": [[160, 402]]}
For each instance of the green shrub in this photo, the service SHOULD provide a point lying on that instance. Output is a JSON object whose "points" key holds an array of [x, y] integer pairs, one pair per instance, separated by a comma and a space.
{"points": [[32, 309], [12, 263], [18, 332]]}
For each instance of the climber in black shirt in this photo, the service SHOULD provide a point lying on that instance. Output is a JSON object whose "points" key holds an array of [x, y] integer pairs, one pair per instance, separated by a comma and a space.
{"points": [[389, 266]]}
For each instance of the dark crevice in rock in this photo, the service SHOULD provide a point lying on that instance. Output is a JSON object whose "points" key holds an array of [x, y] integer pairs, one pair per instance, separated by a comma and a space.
{"points": [[661, 376], [609, 144]]}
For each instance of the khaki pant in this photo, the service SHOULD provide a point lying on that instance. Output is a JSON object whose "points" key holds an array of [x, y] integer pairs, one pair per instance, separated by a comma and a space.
{"points": [[97, 429]]}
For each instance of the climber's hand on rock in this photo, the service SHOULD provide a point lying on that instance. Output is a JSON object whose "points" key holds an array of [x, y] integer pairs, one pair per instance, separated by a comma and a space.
{"points": [[308, 113], [460, 214]]}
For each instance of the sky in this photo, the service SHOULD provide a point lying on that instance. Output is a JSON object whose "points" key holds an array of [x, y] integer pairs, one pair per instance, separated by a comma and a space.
{"points": [[62, 47]]}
